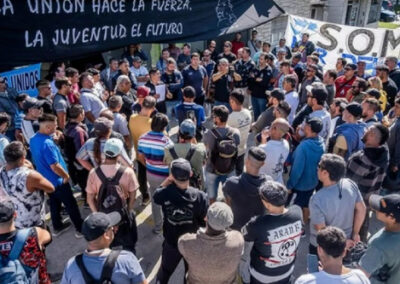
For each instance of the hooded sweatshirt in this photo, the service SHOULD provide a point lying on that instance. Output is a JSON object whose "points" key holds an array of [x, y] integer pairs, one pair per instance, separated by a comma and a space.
{"points": [[367, 168], [243, 192], [305, 159], [353, 133]]}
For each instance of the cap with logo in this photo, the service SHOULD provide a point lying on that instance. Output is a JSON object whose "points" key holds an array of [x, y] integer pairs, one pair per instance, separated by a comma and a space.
{"points": [[219, 216], [96, 224], [181, 169], [388, 204], [113, 147]]}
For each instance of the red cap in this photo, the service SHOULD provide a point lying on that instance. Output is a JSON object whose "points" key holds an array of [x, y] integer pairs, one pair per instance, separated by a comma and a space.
{"points": [[142, 92]]}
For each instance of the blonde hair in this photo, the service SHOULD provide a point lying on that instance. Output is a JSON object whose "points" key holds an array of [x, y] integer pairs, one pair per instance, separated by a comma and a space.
{"points": [[375, 82]]}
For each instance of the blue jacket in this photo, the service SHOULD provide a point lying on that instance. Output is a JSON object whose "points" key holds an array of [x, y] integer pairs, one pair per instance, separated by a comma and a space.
{"points": [[306, 157], [353, 133]]}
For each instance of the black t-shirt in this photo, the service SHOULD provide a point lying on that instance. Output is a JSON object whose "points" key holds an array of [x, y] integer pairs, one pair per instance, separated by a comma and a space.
{"points": [[184, 211], [391, 90], [276, 239], [46, 105], [258, 88], [223, 88]]}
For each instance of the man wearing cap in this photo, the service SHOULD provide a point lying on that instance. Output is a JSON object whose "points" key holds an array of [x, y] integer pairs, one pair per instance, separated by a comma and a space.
{"points": [[139, 124], [394, 70], [44, 94], [368, 166], [32, 255], [141, 73], [239, 118], [338, 203], [127, 233], [29, 124], [213, 253], [343, 83], [123, 90], [304, 162], [276, 149], [187, 145], [240, 191], [184, 209], [381, 262], [347, 138], [309, 78], [98, 230], [273, 238], [267, 117], [8, 103], [389, 86], [53, 167]]}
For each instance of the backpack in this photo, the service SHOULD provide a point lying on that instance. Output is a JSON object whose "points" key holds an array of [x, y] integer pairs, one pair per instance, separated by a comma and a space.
{"points": [[109, 199], [224, 153], [195, 179], [106, 272], [11, 269]]}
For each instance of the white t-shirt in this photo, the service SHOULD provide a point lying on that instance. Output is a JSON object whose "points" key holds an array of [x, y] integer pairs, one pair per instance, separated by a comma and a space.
{"points": [[325, 116], [242, 121], [142, 71], [292, 99], [276, 152], [355, 276]]}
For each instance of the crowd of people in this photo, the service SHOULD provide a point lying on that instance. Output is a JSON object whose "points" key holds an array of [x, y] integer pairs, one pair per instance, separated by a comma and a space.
{"points": [[325, 156]]}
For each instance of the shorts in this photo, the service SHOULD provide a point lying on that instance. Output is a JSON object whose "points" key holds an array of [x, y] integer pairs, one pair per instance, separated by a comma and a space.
{"points": [[300, 198]]}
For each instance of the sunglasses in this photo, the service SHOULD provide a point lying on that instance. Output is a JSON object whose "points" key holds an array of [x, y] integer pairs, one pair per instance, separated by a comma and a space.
{"points": [[310, 70], [226, 46], [354, 87]]}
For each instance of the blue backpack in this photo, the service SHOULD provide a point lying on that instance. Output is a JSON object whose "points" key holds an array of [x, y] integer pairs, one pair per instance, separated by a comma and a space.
{"points": [[11, 269]]}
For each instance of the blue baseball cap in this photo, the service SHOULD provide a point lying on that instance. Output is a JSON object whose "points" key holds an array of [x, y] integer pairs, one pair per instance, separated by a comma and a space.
{"points": [[187, 128]]}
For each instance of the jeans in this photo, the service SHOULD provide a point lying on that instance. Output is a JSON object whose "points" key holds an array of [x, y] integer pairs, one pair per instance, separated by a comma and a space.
{"points": [[259, 105], [63, 194], [79, 177], [142, 179], [213, 181], [219, 103], [170, 258], [170, 105], [154, 182], [126, 236]]}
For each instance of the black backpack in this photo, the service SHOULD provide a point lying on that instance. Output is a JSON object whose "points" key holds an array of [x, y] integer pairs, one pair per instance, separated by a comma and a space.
{"points": [[224, 153], [195, 179], [106, 272], [109, 199]]}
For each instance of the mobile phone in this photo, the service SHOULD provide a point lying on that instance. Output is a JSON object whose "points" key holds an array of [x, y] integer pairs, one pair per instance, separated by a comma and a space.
{"points": [[312, 263]]}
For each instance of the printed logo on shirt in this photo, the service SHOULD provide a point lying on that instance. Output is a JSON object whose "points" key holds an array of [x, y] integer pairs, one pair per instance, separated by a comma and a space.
{"points": [[283, 242], [178, 215]]}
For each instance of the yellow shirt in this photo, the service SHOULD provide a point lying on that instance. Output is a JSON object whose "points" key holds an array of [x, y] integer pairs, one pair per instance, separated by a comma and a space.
{"points": [[138, 125]]}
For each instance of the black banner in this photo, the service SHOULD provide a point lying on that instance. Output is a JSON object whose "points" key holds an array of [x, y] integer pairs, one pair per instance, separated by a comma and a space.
{"points": [[34, 31]]}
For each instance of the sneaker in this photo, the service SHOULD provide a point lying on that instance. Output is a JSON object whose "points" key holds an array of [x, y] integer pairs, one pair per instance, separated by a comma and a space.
{"points": [[64, 228], [145, 201], [78, 235]]}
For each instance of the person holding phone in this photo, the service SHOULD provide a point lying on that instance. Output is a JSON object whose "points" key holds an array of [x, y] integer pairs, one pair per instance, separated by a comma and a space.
{"points": [[331, 251]]}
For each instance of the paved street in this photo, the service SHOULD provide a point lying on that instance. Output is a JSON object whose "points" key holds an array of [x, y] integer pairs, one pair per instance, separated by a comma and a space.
{"points": [[149, 245]]}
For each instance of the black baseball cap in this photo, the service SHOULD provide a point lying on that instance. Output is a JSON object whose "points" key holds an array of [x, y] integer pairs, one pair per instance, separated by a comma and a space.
{"points": [[7, 210], [315, 124], [277, 94], [97, 223], [388, 204], [181, 169], [257, 153], [351, 66], [354, 109], [374, 93]]}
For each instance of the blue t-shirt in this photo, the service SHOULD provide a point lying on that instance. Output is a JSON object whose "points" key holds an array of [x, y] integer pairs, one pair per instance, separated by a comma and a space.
{"points": [[46, 153], [183, 111], [127, 269], [194, 78]]}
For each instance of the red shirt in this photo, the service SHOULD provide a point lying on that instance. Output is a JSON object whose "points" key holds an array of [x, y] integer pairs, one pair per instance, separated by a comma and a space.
{"points": [[343, 85], [236, 45]]}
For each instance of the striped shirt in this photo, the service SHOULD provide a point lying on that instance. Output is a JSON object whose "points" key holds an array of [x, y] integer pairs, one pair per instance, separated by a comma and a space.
{"points": [[152, 145]]}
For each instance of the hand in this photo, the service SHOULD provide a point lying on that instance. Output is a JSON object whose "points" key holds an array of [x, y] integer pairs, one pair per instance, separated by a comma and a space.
{"points": [[350, 244], [157, 96], [169, 95], [65, 180], [169, 180], [258, 79], [356, 238]]}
